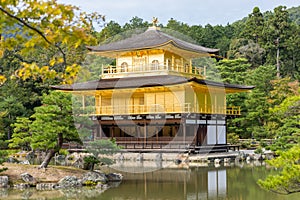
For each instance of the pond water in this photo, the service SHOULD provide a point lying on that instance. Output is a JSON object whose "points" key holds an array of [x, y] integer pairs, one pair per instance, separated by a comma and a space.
{"points": [[231, 182]]}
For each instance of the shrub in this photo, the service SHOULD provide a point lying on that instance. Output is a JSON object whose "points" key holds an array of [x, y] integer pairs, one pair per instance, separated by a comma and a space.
{"points": [[258, 150], [233, 138], [64, 152], [245, 145], [3, 155], [90, 162]]}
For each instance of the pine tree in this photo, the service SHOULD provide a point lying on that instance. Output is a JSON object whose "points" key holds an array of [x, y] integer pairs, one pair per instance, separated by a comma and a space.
{"points": [[53, 125]]}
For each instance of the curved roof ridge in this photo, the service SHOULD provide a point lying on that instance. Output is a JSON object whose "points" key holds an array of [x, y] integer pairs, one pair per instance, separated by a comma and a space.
{"points": [[146, 81], [149, 39], [191, 46]]}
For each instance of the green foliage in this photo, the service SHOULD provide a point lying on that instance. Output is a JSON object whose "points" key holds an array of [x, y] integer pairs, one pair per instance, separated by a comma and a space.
{"points": [[294, 14], [100, 147], [21, 137], [3, 143], [288, 179], [178, 26], [92, 67], [110, 30], [238, 66], [257, 104], [258, 150], [212, 71], [64, 152], [135, 23], [53, 124], [245, 145], [13, 108], [103, 147], [3, 155], [279, 34], [90, 162], [106, 161], [232, 138], [254, 26], [287, 128], [91, 159], [52, 119]]}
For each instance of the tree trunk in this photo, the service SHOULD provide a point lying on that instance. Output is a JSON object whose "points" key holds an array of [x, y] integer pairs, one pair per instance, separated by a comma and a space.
{"points": [[49, 156], [51, 153]]}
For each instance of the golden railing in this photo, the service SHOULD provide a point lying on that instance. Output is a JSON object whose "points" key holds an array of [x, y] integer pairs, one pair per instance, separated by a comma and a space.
{"points": [[112, 71], [157, 108], [233, 110]]}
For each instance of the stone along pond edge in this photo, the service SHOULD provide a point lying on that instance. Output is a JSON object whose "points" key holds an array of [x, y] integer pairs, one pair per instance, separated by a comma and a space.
{"points": [[92, 178]]}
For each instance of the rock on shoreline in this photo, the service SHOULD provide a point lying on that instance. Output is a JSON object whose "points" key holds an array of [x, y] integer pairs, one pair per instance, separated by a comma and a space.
{"points": [[22, 177]]}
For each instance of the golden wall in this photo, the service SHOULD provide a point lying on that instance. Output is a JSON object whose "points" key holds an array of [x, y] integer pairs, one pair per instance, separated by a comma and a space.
{"points": [[179, 99]]}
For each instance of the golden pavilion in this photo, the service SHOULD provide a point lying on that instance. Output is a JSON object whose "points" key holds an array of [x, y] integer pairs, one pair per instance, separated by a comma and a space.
{"points": [[154, 98]]}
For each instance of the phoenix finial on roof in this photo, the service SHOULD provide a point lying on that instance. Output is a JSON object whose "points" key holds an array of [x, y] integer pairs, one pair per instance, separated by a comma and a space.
{"points": [[154, 21]]}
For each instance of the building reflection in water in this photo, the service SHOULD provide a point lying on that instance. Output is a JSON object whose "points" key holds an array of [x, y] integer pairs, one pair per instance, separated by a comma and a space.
{"points": [[196, 183], [217, 183]]}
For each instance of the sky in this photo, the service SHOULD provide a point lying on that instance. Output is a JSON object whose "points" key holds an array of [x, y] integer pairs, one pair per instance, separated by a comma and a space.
{"points": [[192, 12]]}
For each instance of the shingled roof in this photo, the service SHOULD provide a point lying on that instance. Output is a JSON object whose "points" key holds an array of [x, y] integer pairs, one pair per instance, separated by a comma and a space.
{"points": [[147, 81], [152, 38]]}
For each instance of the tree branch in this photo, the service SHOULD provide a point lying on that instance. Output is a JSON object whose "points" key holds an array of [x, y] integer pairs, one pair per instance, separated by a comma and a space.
{"points": [[39, 32]]}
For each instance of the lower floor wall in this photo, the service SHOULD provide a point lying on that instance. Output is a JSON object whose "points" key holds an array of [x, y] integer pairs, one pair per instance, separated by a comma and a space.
{"points": [[192, 129]]}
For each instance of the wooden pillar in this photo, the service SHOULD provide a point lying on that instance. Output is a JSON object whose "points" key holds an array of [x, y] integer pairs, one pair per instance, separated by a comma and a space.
{"points": [[137, 130], [216, 104], [182, 66], [195, 133], [112, 131], [177, 129], [173, 133], [167, 64], [156, 131], [132, 63], [195, 108], [100, 131], [97, 132], [173, 62], [145, 133]]}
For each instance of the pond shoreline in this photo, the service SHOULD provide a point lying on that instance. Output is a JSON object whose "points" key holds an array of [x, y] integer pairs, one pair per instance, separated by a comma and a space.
{"points": [[138, 161], [20, 176]]}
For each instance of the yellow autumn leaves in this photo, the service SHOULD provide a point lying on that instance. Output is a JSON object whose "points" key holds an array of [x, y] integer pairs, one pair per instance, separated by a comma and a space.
{"points": [[34, 27], [44, 73]]}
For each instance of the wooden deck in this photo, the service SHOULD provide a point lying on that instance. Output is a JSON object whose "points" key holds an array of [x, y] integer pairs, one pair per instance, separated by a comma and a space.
{"points": [[174, 146]]}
